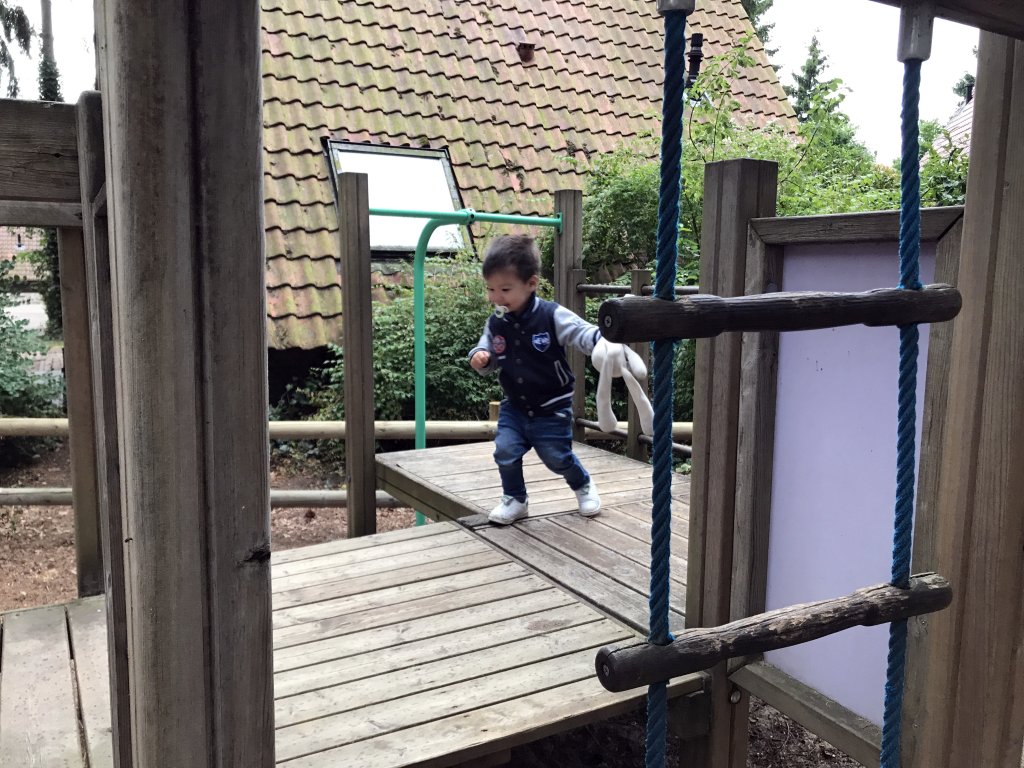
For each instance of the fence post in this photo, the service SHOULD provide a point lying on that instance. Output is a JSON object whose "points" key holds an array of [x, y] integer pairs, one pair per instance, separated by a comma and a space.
{"points": [[634, 448], [568, 273], [357, 331]]}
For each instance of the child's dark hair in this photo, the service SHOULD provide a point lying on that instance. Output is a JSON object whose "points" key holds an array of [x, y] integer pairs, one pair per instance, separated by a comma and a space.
{"points": [[516, 252]]}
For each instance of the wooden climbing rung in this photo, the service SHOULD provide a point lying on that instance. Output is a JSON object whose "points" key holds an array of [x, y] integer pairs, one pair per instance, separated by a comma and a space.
{"points": [[621, 668], [635, 318]]}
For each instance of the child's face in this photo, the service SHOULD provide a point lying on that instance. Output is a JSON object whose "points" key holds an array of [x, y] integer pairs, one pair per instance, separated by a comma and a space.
{"points": [[506, 289]]}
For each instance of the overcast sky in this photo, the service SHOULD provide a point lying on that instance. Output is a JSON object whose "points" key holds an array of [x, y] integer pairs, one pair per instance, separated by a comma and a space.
{"points": [[857, 36]]}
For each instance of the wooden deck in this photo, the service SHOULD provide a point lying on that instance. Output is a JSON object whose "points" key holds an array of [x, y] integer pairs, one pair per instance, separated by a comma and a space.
{"points": [[426, 647], [604, 561]]}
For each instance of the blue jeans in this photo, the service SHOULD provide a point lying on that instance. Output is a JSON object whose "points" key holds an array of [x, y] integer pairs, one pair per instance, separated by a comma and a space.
{"points": [[550, 436]]}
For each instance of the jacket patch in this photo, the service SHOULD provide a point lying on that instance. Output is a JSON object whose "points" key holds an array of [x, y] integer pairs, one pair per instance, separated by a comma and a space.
{"points": [[541, 341], [498, 342]]}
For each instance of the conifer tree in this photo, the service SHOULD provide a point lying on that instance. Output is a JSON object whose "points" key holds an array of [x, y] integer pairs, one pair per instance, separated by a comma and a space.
{"points": [[807, 81]]}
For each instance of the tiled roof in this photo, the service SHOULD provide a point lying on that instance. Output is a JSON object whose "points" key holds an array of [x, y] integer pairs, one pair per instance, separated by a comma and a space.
{"points": [[960, 124], [446, 73]]}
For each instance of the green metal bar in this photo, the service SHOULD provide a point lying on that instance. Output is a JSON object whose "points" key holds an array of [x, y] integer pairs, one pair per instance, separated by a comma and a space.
{"points": [[440, 219]]}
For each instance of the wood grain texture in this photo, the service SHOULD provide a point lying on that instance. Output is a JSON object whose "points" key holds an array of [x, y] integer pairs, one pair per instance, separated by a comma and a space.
{"points": [[88, 632], [78, 366], [1005, 17], [189, 322], [38, 718], [17, 213], [873, 226], [354, 234], [633, 318], [969, 661], [38, 152], [568, 273], [624, 667]]}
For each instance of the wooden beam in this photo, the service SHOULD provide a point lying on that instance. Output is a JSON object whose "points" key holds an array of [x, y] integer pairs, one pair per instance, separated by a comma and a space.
{"points": [[354, 231], [965, 704], [18, 213], [104, 392], [842, 728], [1004, 17], [870, 227], [38, 152], [624, 667], [635, 318], [568, 273], [735, 191], [82, 430], [182, 118], [639, 280]]}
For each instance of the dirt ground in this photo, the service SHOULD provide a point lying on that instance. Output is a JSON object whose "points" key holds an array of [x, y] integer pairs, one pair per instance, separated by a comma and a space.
{"points": [[37, 567]]}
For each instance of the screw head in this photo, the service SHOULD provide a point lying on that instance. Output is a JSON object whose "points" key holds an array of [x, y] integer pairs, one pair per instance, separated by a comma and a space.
{"points": [[734, 697]]}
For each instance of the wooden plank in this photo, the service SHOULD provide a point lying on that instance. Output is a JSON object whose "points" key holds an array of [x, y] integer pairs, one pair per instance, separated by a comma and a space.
{"points": [[870, 227], [755, 449], [38, 716], [596, 530], [424, 496], [328, 732], [740, 190], [376, 661], [190, 341], [964, 707], [354, 249], [1005, 17], [859, 738], [104, 409], [505, 724], [78, 368], [455, 598], [38, 151], [336, 567], [390, 596], [88, 630], [349, 545], [332, 588], [568, 273], [640, 529], [342, 646], [20, 213], [638, 280], [394, 686]]}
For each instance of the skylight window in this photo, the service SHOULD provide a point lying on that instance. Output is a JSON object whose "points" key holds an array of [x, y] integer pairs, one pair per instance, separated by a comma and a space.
{"points": [[407, 179]]}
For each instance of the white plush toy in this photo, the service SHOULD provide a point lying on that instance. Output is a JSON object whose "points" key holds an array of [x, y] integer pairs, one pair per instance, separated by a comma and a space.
{"points": [[619, 360]]}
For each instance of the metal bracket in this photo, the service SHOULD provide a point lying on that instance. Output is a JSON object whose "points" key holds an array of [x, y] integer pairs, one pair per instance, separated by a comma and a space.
{"points": [[670, 6], [916, 23]]}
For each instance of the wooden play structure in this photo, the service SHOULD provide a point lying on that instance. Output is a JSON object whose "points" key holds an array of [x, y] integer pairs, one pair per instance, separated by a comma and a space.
{"points": [[454, 642]]}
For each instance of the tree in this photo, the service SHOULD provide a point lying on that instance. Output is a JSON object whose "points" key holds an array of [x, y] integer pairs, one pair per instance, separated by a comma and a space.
{"points": [[964, 86], [807, 81], [756, 9], [16, 30]]}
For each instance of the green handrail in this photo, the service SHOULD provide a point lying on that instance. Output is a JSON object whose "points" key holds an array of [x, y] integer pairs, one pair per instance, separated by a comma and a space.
{"points": [[437, 219]]}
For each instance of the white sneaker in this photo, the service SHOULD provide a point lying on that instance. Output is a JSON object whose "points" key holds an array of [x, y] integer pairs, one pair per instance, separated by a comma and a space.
{"points": [[509, 510], [589, 501]]}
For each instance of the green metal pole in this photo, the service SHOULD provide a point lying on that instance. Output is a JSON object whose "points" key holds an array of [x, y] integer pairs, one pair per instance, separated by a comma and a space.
{"points": [[439, 219]]}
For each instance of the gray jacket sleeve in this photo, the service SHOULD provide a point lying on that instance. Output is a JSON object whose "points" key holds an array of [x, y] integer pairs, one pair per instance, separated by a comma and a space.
{"points": [[571, 330], [484, 345]]}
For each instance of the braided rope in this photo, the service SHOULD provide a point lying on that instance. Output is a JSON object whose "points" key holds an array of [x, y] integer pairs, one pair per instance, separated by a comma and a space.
{"points": [[664, 288], [910, 249]]}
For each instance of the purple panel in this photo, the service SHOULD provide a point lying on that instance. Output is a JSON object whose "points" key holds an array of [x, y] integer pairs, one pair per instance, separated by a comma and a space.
{"points": [[834, 481]]}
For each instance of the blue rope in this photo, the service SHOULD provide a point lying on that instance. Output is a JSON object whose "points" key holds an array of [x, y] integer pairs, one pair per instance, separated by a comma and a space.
{"points": [[910, 250], [664, 288]]}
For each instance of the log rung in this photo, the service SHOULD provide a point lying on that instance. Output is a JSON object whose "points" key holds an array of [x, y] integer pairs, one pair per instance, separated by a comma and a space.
{"points": [[635, 318], [622, 668]]}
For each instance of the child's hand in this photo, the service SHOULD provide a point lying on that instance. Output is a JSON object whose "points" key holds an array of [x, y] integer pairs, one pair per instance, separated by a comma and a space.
{"points": [[480, 360]]}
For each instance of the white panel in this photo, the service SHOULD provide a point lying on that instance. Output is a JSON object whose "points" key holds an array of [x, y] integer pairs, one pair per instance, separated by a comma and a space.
{"points": [[407, 180], [834, 484]]}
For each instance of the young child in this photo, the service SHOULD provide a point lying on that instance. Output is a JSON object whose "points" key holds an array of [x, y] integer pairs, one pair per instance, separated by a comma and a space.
{"points": [[525, 340]]}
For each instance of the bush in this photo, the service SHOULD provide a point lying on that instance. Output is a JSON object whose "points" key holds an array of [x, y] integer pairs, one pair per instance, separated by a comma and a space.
{"points": [[22, 392]]}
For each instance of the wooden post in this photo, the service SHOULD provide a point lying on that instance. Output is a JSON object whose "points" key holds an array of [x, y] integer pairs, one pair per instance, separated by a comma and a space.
{"points": [[568, 273], [639, 278], [965, 685], [108, 476], [354, 251], [182, 116], [735, 191], [81, 431]]}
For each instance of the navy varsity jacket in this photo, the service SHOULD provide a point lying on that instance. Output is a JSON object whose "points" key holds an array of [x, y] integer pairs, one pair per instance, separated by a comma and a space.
{"points": [[528, 350]]}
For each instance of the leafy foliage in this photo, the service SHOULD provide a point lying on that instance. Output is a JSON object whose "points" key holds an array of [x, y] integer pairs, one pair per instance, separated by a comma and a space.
{"points": [[16, 31], [22, 392], [756, 9], [964, 85]]}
